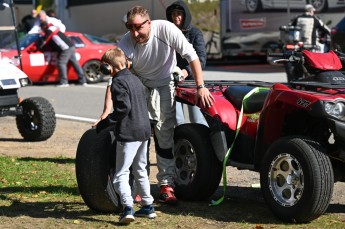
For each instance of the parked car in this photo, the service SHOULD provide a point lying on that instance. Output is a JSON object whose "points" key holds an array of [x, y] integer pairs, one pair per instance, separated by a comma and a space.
{"points": [[319, 5], [41, 65], [255, 44], [338, 35]]}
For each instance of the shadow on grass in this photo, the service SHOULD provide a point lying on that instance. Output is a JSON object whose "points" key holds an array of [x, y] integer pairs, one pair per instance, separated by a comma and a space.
{"points": [[58, 210], [48, 189], [12, 140], [48, 159], [241, 204]]}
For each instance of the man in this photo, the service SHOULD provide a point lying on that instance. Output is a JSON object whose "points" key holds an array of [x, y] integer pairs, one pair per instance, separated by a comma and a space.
{"points": [[43, 17], [311, 25], [29, 20], [60, 43], [151, 46]]}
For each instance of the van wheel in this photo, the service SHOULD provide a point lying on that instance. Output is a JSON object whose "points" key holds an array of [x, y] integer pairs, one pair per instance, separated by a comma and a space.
{"points": [[253, 5]]}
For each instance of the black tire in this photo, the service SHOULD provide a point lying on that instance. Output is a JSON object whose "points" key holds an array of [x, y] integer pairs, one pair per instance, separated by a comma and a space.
{"points": [[253, 5], [198, 171], [95, 162], [92, 71], [301, 162], [37, 121]]}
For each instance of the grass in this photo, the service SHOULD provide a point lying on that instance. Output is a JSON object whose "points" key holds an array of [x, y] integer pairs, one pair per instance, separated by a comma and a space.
{"points": [[43, 193]]}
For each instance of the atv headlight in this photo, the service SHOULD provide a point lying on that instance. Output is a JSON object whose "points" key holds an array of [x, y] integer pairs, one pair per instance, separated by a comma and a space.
{"points": [[336, 110]]}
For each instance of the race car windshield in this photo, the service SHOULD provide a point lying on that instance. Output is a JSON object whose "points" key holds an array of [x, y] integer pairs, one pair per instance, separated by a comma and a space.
{"points": [[23, 42], [98, 40]]}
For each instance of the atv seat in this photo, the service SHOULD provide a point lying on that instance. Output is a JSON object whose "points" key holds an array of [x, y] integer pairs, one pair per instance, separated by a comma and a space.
{"points": [[253, 104]]}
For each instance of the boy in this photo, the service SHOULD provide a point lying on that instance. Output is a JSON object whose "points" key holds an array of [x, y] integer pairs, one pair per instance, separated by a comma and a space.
{"points": [[132, 129]]}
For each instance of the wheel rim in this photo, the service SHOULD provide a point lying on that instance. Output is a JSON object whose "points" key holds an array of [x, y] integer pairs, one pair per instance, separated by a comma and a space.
{"points": [[92, 71], [286, 180], [252, 5], [185, 162], [318, 4], [30, 119]]}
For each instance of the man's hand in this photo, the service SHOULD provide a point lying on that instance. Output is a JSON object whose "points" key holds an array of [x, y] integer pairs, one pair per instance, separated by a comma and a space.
{"points": [[204, 96]]}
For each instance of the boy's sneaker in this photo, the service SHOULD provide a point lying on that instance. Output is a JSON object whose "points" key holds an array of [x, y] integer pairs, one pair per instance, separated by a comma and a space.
{"points": [[167, 195], [147, 211], [127, 215]]}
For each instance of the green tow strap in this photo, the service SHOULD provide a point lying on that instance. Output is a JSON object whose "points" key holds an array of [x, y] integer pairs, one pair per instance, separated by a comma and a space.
{"points": [[227, 155]]}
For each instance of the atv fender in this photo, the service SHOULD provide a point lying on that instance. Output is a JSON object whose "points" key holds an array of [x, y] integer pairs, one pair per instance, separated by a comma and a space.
{"points": [[220, 146], [223, 111]]}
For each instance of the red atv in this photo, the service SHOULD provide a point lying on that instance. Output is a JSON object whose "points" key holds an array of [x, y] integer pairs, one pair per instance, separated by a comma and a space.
{"points": [[292, 134]]}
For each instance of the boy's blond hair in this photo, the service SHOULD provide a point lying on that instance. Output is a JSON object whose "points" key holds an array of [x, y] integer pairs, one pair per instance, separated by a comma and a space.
{"points": [[115, 57]]}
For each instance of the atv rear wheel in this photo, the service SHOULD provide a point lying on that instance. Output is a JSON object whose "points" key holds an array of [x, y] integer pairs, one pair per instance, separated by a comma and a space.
{"points": [[37, 122], [297, 179], [198, 171], [95, 163]]}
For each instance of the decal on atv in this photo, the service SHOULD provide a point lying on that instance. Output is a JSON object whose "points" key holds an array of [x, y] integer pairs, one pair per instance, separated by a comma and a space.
{"points": [[303, 103]]}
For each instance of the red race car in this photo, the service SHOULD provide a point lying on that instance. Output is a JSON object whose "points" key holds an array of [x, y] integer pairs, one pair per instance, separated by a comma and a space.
{"points": [[41, 65]]}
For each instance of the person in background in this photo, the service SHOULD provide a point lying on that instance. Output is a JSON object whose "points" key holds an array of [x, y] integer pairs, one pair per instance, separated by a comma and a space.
{"points": [[179, 14], [29, 20], [60, 43], [310, 25], [51, 13], [43, 17], [132, 130]]}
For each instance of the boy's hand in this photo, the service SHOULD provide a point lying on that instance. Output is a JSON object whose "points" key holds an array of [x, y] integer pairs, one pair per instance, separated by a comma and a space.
{"points": [[101, 125]]}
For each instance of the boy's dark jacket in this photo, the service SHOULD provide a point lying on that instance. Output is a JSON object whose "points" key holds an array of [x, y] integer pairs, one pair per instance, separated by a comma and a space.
{"points": [[193, 35], [130, 115]]}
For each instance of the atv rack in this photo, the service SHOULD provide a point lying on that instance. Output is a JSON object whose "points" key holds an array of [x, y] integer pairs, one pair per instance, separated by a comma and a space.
{"points": [[223, 84], [316, 85]]}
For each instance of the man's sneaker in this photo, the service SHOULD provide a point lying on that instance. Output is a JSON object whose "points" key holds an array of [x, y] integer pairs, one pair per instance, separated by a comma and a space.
{"points": [[63, 85], [167, 195], [147, 211], [127, 215]]}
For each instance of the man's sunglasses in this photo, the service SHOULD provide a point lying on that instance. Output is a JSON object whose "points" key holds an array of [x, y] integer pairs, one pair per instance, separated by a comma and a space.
{"points": [[135, 27]]}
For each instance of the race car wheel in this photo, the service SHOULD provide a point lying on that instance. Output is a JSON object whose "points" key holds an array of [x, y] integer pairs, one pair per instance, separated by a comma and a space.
{"points": [[95, 163], [198, 171], [92, 72], [253, 5], [297, 179], [37, 121]]}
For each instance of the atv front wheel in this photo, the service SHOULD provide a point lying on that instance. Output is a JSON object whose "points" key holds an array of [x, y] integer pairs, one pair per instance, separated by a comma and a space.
{"points": [[95, 163], [198, 171], [37, 121], [297, 179]]}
